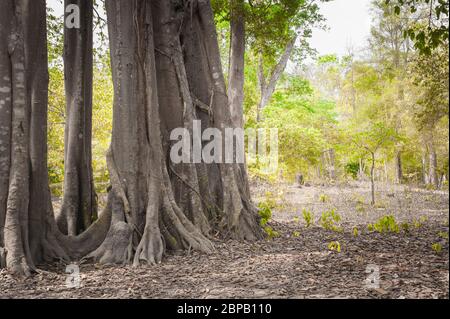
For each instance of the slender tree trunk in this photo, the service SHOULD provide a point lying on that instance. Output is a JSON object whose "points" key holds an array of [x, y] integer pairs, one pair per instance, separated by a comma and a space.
{"points": [[5, 117], [79, 207], [37, 74], [237, 64], [398, 168], [433, 175], [372, 179], [25, 210], [268, 87], [16, 255], [361, 169], [425, 179], [432, 158]]}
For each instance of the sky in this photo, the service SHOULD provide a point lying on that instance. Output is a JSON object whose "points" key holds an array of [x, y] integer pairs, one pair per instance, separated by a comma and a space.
{"points": [[348, 24]]}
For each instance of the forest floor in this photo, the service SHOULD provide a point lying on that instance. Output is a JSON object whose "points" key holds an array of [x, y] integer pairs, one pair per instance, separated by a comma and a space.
{"points": [[296, 264]]}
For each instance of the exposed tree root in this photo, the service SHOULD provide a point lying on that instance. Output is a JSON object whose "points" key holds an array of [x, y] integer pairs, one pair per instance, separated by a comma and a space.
{"points": [[149, 211]]}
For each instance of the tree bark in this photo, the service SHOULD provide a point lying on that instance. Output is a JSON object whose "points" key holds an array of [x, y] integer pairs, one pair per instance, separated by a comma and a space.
{"points": [[433, 178], [433, 175], [425, 178], [268, 87], [24, 192], [398, 168], [79, 208], [372, 179], [237, 64], [5, 116], [153, 206]]}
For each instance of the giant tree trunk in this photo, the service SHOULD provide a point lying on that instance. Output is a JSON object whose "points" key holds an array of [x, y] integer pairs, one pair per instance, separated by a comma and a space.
{"points": [[237, 64], [166, 73], [24, 192], [79, 201], [166, 66]]}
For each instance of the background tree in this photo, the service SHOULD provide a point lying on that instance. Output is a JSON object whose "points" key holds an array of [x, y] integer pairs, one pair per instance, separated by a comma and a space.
{"points": [[372, 138]]}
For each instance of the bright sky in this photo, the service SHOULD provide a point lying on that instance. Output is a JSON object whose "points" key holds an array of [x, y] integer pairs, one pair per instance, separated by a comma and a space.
{"points": [[349, 24]]}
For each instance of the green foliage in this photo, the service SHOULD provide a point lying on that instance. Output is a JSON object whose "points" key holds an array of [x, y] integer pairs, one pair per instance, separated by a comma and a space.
{"points": [[386, 224], [304, 122], [296, 234], [443, 235], [334, 246], [355, 231], [437, 247], [268, 204], [265, 211], [308, 217], [433, 32], [323, 198], [418, 223], [330, 221], [102, 104], [352, 169], [271, 233]]}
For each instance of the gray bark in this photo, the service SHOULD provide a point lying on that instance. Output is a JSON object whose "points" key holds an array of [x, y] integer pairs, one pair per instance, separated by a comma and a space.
{"points": [[79, 207], [268, 86], [155, 82], [433, 178], [372, 178], [398, 168], [433, 175], [5, 112], [17, 256], [237, 64]]}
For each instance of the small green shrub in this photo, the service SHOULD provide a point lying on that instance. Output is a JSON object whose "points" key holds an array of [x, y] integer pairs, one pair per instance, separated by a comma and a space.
{"points": [[330, 220], [418, 223], [296, 234], [386, 224], [443, 235], [437, 248], [265, 212], [265, 208], [323, 198], [355, 231], [271, 233], [334, 246], [352, 169], [308, 217]]}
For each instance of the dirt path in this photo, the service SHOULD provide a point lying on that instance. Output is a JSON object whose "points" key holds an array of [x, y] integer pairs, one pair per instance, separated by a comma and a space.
{"points": [[297, 264]]}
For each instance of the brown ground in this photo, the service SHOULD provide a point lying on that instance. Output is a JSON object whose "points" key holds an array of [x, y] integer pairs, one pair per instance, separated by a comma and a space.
{"points": [[298, 264]]}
